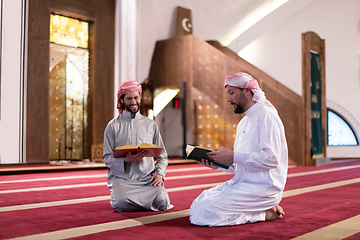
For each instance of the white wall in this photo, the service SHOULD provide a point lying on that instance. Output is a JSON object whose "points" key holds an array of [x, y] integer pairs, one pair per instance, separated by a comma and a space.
{"points": [[12, 81], [211, 20], [171, 130], [275, 44], [278, 53]]}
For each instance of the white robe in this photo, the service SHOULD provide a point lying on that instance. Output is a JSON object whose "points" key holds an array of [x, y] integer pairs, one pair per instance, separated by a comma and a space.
{"points": [[129, 183], [260, 168]]}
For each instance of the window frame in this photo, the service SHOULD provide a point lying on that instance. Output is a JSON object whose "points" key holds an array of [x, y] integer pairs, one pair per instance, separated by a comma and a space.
{"points": [[347, 123]]}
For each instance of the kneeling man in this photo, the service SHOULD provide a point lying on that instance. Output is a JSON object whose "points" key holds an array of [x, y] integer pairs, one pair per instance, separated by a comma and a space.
{"points": [[136, 183], [260, 162]]}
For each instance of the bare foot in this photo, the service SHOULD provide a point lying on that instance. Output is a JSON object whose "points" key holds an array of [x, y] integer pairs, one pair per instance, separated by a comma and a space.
{"points": [[274, 213]]}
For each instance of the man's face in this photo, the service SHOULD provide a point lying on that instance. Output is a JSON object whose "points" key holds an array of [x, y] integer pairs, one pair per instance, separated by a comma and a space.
{"points": [[131, 102], [237, 98]]}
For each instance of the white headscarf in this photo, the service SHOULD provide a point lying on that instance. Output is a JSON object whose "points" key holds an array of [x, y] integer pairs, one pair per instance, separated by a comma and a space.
{"points": [[244, 80]]}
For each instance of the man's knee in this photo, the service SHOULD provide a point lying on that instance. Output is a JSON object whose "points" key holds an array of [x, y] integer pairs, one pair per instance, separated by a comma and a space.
{"points": [[205, 214], [161, 201], [121, 204], [199, 218]]}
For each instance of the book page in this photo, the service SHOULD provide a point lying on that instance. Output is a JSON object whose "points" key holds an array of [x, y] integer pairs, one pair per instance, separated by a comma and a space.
{"points": [[148, 145], [189, 149], [127, 147]]}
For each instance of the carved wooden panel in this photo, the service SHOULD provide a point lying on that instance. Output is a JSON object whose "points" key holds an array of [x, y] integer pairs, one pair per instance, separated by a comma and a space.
{"points": [[211, 119]]}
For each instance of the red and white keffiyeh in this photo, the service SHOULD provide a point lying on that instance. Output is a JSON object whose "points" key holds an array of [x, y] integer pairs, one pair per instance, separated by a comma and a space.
{"points": [[244, 80], [125, 88]]}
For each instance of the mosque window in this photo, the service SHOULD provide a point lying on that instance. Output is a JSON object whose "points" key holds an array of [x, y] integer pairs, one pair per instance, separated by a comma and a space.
{"points": [[339, 131]]}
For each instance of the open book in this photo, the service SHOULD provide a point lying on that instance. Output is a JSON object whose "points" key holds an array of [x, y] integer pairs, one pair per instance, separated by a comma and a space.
{"points": [[153, 150], [197, 153]]}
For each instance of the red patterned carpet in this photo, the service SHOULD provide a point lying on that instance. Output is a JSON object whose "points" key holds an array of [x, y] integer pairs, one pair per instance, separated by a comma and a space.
{"points": [[319, 202]]}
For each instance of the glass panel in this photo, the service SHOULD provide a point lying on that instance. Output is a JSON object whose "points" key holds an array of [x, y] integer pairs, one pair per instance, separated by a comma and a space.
{"points": [[339, 132], [68, 87], [68, 91], [57, 89], [69, 31], [76, 100]]}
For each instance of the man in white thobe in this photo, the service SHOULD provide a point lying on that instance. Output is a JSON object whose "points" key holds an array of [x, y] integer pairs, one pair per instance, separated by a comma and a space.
{"points": [[260, 162], [136, 183]]}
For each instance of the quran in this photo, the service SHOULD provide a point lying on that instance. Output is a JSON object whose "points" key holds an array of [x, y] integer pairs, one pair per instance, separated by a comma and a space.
{"points": [[197, 153], [152, 149]]}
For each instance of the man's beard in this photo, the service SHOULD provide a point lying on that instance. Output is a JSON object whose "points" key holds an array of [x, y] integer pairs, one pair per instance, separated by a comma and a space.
{"points": [[127, 108], [239, 109]]}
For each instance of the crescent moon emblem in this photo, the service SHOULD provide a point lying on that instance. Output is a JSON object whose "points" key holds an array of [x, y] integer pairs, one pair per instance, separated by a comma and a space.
{"points": [[185, 27]]}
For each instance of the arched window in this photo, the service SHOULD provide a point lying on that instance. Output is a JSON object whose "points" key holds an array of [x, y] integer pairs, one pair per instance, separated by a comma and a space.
{"points": [[339, 131]]}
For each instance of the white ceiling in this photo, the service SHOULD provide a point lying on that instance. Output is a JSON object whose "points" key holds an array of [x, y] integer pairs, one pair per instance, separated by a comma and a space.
{"points": [[215, 19], [218, 20]]}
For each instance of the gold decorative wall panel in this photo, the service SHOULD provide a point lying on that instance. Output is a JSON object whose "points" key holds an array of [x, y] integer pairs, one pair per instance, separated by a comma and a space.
{"points": [[57, 110]]}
